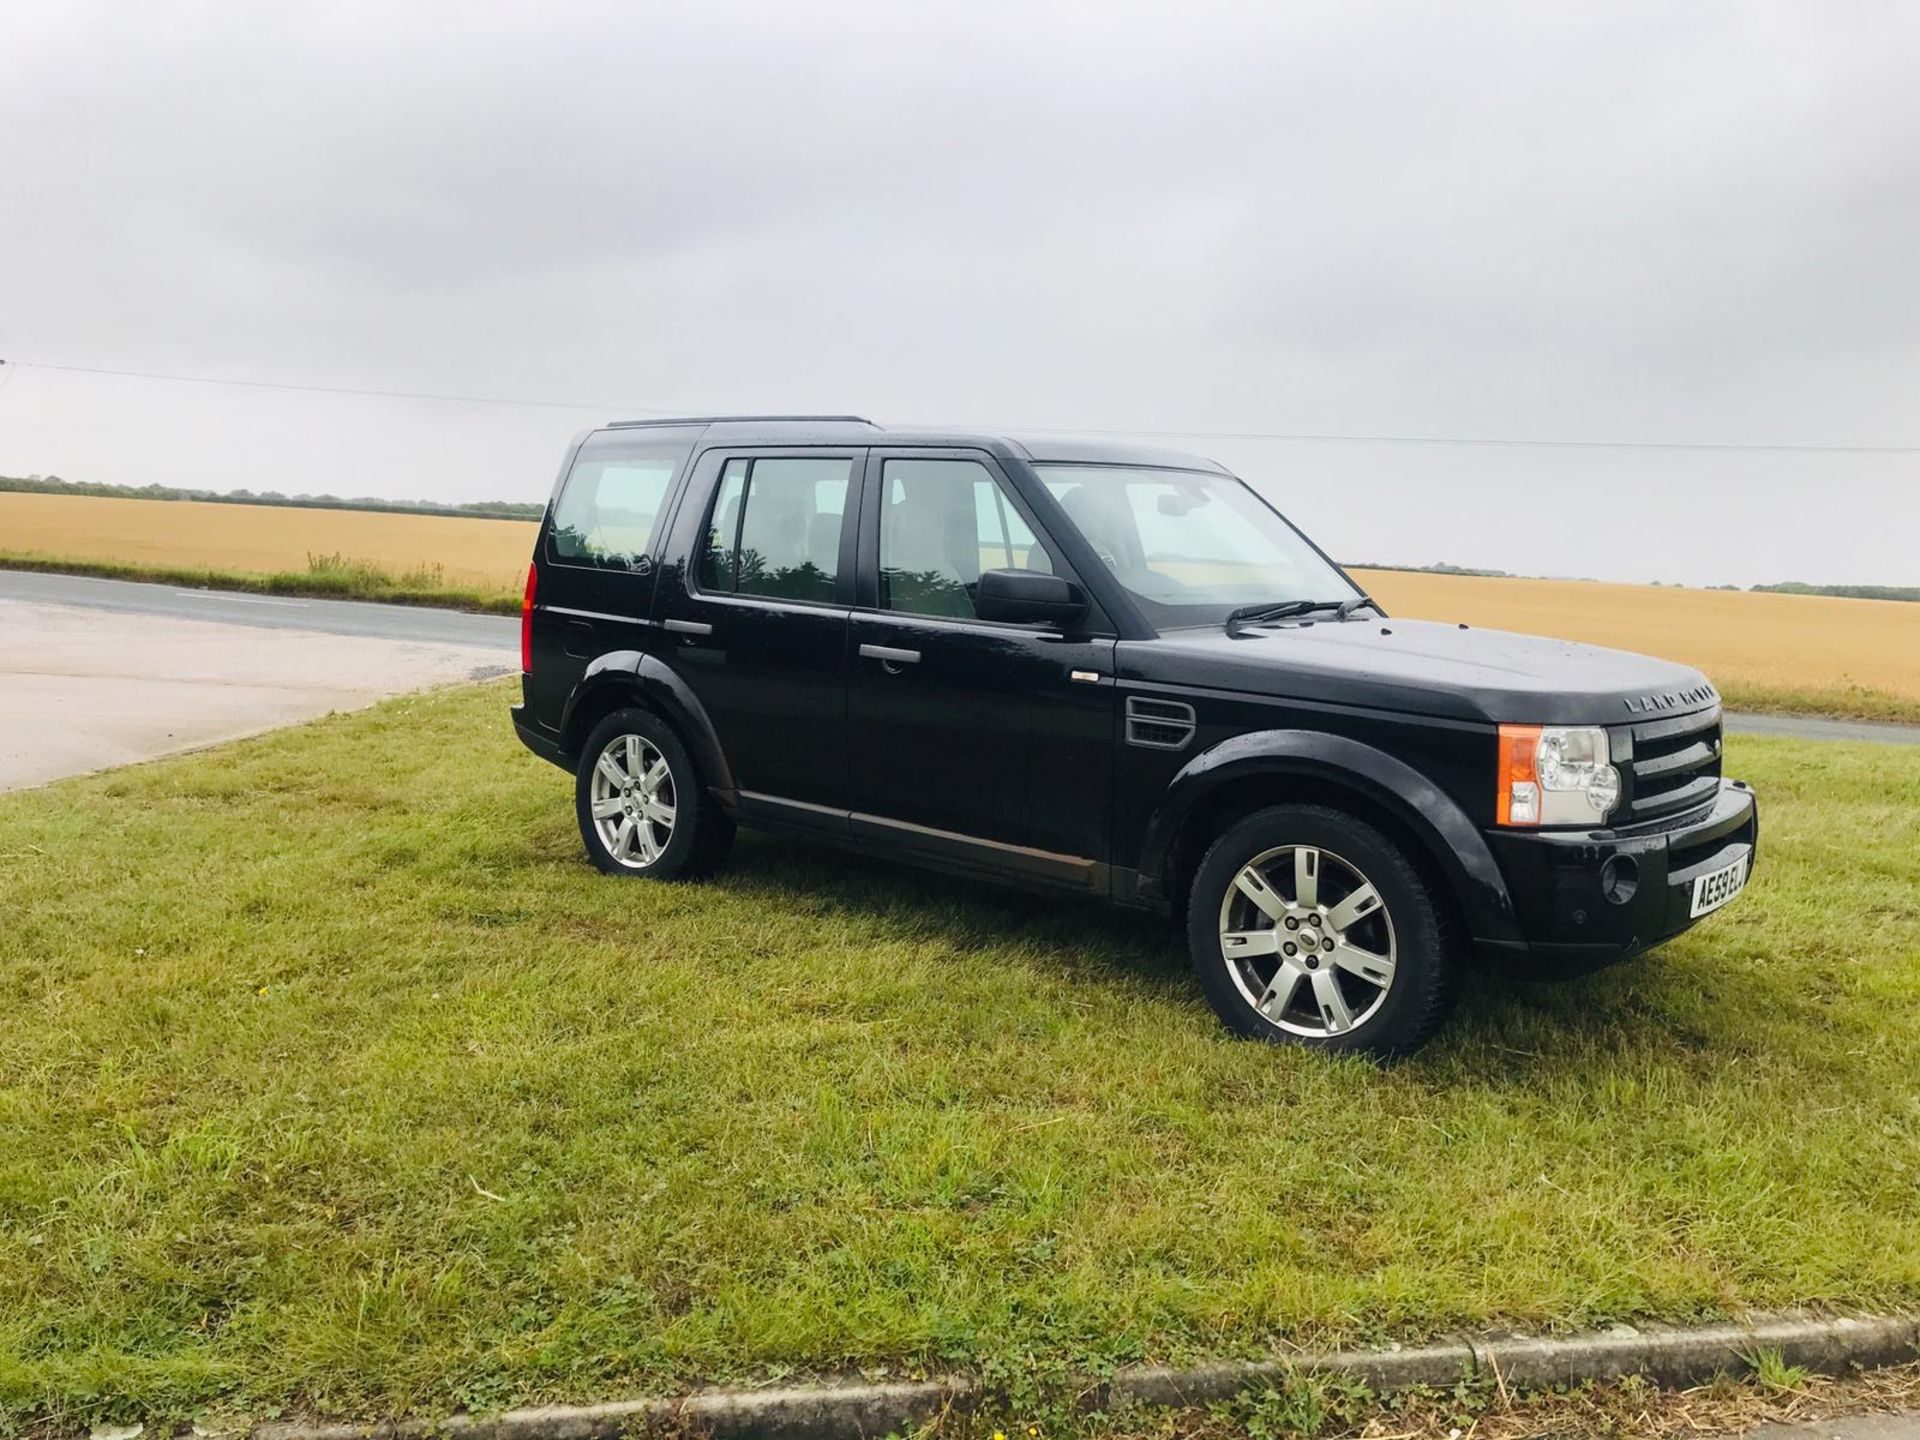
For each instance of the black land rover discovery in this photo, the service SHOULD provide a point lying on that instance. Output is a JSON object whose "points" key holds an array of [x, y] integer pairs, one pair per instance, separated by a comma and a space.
{"points": [[1113, 672]]}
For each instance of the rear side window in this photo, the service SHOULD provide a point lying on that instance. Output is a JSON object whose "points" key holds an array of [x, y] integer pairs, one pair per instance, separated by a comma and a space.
{"points": [[775, 528], [609, 510]]}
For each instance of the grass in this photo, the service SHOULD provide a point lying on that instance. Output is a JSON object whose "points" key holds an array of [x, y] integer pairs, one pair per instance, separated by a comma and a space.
{"points": [[328, 577], [332, 1077], [1772, 1372], [1841, 701]]}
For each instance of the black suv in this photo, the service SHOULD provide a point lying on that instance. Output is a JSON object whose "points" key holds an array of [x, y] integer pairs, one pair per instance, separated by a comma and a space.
{"points": [[1114, 672]]}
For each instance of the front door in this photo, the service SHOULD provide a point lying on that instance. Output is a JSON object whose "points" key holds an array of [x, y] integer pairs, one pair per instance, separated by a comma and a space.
{"points": [[989, 745], [758, 630]]}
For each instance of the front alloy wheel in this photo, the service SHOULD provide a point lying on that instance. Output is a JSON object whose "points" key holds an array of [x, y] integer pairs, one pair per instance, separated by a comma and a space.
{"points": [[1310, 926], [1307, 941]]}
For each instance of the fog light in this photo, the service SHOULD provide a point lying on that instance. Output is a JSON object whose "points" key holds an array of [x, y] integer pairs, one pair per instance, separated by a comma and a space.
{"points": [[1619, 878]]}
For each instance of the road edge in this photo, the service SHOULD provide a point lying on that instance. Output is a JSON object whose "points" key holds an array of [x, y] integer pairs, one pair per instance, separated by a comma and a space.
{"points": [[1673, 1356], [288, 583]]}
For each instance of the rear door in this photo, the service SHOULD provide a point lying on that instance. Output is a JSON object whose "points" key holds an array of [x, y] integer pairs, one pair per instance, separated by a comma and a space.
{"points": [[756, 621], [988, 745]]}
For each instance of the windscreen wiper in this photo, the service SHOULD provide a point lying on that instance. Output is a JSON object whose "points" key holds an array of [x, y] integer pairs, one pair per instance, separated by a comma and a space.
{"points": [[1267, 610], [1288, 609]]}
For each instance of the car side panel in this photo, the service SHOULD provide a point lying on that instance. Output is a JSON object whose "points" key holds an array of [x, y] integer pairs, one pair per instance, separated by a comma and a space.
{"points": [[1425, 771], [628, 675], [986, 734]]}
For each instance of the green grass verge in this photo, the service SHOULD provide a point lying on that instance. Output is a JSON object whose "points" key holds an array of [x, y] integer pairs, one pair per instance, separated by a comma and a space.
{"points": [[331, 1076], [351, 582], [1839, 702]]}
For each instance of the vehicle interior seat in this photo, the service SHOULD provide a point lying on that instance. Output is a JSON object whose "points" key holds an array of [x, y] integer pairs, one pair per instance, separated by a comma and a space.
{"points": [[918, 528], [1098, 516]]}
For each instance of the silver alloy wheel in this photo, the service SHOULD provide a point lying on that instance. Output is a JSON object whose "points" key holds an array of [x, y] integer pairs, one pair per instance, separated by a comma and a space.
{"points": [[1308, 941], [633, 800]]}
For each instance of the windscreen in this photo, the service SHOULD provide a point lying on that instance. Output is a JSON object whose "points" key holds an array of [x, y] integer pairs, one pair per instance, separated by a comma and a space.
{"points": [[1190, 545]]}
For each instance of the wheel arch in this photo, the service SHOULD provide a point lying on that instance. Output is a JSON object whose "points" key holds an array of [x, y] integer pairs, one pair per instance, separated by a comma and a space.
{"points": [[1278, 767], [632, 677]]}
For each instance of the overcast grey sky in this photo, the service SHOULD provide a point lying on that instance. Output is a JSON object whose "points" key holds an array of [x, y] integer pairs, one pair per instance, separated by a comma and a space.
{"points": [[1692, 223]]}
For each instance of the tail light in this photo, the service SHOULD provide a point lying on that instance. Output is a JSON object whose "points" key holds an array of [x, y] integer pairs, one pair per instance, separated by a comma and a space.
{"points": [[526, 620]]}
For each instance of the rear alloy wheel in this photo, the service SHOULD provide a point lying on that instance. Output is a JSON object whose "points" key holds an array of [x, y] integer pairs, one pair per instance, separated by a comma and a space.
{"points": [[642, 808], [632, 799], [1311, 927]]}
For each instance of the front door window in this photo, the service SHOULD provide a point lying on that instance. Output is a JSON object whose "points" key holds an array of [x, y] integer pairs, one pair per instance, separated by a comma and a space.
{"points": [[941, 523]]}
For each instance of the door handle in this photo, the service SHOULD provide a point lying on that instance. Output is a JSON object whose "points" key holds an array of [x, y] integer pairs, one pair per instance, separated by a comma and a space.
{"points": [[689, 627], [889, 655]]}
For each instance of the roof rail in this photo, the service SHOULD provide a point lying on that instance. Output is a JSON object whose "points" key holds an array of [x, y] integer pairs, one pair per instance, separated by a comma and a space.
{"points": [[734, 419]]}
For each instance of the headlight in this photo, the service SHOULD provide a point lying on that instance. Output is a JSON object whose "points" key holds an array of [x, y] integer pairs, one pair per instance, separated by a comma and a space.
{"points": [[1555, 775]]}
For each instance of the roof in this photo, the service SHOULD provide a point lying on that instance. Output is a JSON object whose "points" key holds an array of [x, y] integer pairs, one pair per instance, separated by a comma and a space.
{"points": [[858, 430]]}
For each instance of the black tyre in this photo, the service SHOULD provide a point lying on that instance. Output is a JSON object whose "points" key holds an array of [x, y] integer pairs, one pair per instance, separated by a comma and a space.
{"points": [[641, 806], [1310, 927]]}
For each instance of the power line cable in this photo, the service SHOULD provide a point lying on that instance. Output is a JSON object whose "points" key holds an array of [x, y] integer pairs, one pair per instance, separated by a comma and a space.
{"points": [[1281, 436], [323, 389]]}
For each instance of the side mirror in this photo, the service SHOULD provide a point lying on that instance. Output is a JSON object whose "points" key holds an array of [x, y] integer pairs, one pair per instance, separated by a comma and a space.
{"points": [[1028, 597]]}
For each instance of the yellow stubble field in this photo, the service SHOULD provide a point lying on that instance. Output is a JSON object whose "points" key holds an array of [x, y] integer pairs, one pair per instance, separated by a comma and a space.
{"points": [[262, 539], [1799, 652], [1795, 652]]}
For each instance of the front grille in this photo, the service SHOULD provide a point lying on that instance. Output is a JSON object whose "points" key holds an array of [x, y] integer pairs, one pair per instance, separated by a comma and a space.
{"points": [[1671, 764]]}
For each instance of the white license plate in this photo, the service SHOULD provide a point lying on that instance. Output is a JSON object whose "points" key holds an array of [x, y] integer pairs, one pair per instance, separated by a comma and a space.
{"points": [[1715, 889]]}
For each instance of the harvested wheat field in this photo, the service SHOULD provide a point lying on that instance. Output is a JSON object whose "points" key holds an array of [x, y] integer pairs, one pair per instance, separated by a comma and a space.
{"points": [[1812, 653], [1806, 653], [190, 534]]}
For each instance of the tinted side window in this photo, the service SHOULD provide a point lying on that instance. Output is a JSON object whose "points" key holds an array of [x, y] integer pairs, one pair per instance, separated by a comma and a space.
{"points": [[609, 510], [775, 528], [941, 523], [723, 529]]}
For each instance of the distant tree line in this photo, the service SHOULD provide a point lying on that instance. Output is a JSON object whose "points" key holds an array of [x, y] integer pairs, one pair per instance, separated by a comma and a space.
{"points": [[1785, 587], [1845, 592], [1441, 569], [476, 509]]}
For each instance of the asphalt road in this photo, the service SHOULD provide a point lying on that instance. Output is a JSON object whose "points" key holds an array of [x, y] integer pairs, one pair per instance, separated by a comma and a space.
{"points": [[273, 612], [425, 625], [1810, 727], [97, 673]]}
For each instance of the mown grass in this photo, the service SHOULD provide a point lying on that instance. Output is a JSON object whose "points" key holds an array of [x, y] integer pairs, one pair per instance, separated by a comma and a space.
{"points": [[327, 577], [331, 1077]]}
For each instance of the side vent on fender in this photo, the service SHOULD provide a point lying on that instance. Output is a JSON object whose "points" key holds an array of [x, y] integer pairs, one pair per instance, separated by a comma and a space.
{"points": [[1159, 724]]}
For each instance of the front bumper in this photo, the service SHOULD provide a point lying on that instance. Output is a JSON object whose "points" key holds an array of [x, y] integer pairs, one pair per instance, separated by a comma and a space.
{"points": [[1588, 898]]}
